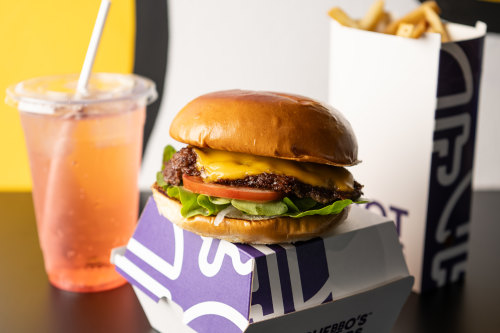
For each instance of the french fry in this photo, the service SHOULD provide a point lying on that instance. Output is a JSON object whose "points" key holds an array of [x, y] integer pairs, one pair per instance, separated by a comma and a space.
{"points": [[384, 22], [413, 16], [340, 16], [425, 18], [435, 22], [373, 16], [419, 29], [405, 29]]}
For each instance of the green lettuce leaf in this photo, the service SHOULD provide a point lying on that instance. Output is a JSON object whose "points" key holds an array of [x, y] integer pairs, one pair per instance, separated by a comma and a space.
{"points": [[173, 192], [271, 208], [200, 204], [305, 203], [299, 204], [159, 179], [190, 206], [195, 204], [333, 208], [291, 205], [212, 207], [168, 152], [219, 201]]}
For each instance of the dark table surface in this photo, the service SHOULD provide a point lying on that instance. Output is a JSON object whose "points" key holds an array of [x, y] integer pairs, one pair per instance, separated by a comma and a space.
{"points": [[28, 303]]}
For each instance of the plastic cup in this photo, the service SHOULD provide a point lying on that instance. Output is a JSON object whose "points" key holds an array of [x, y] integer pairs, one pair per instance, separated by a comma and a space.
{"points": [[85, 154]]}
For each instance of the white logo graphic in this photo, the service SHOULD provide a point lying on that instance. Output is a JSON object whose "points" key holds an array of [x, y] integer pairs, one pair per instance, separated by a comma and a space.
{"points": [[224, 248], [143, 278], [275, 285], [464, 97], [217, 309], [445, 178], [441, 146], [295, 281], [167, 269]]}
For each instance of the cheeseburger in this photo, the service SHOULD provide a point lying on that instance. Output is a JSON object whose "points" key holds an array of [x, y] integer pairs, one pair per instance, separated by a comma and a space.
{"points": [[259, 167]]}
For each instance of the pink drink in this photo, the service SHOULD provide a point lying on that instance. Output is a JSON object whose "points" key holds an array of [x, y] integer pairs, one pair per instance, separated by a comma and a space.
{"points": [[84, 163]]}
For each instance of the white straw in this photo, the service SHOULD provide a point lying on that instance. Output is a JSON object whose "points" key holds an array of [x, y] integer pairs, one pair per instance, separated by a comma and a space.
{"points": [[50, 207], [92, 50]]}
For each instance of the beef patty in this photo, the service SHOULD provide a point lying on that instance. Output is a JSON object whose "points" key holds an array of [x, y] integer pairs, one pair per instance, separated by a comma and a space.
{"points": [[184, 162]]}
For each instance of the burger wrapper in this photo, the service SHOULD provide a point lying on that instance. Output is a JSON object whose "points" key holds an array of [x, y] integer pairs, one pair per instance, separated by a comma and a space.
{"points": [[413, 105], [355, 278]]}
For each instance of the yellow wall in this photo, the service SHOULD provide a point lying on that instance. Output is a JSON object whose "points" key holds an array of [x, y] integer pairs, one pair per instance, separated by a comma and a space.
{"points": [[42, 37]]}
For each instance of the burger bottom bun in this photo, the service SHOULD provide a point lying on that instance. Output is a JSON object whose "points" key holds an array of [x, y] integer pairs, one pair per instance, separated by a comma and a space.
{"points": [[270, 231]]}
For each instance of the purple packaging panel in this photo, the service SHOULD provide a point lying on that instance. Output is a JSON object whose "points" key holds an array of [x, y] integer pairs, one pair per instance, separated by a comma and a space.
{"points": [[361, 312], [225, 287]]}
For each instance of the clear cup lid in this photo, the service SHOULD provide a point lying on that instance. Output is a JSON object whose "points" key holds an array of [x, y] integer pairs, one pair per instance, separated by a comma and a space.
{"points": [[48, 93]]}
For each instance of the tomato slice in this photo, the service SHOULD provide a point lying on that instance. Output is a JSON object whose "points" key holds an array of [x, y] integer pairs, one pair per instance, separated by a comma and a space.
{"points": [[196, 185]]}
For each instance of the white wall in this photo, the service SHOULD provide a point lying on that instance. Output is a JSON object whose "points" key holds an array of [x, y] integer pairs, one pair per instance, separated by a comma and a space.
{"points": [[276, 45], [281, 45]]}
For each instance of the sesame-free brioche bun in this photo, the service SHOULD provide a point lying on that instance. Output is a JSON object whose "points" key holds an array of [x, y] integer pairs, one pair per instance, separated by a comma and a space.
{"points": [[267, 124], [268, 231]]}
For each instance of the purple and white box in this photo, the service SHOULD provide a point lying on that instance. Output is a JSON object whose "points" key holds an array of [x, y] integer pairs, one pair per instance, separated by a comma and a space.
{"points": [[413, 104], [354, 279]]}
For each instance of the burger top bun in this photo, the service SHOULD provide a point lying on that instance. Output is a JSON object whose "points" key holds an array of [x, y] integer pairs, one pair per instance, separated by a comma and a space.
{"points": [[267, 124]]}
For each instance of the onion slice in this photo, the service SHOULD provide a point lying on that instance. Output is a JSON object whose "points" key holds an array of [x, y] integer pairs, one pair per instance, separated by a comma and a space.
{"points": [[234, 213], [220, 216]]}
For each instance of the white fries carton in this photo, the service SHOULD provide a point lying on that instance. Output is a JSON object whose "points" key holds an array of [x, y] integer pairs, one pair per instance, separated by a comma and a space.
{"points": [[354, 279], [413, 106]]}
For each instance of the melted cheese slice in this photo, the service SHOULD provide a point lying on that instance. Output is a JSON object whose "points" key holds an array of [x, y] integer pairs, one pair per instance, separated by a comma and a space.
{"points": [[218, 164]]}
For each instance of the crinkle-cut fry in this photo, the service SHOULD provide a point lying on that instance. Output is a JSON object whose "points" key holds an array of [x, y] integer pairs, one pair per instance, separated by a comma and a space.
{"points": [[340, 16], [405, 29], [413, 16], [372, 16], [436, 24], [419, 29]]}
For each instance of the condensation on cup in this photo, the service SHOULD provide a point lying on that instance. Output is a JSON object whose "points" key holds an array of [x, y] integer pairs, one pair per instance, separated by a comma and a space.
{"points": [[85, 153]]}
